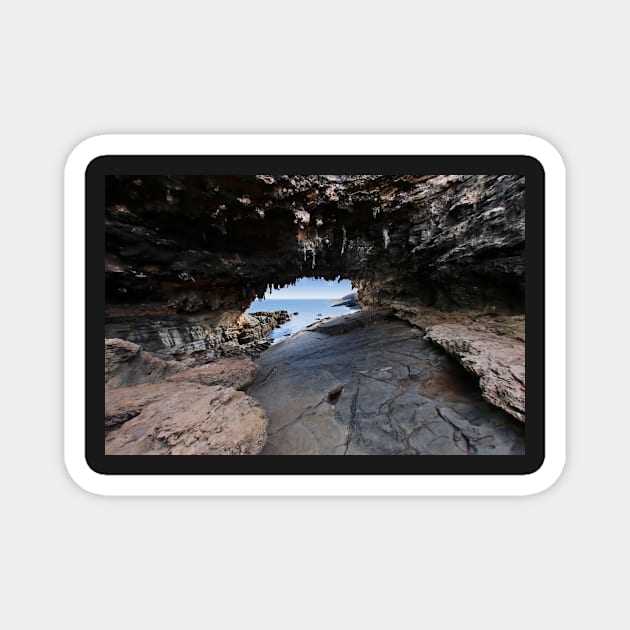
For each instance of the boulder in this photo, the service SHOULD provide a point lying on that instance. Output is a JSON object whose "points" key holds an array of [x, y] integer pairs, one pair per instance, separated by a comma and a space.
{"points": [[126, 364], [237, 372], [184, 419]]}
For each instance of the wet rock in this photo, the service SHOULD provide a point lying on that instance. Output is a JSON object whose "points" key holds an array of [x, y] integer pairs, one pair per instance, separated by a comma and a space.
{"points": [[256, 326], [346, 323], [362, 392]]}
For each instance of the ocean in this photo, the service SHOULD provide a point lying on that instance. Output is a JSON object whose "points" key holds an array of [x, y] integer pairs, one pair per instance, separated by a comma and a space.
{"points": [[308, 311]]}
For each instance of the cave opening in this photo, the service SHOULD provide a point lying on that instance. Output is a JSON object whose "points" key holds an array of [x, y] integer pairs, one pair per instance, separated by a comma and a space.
{"points": [[306, 301]]}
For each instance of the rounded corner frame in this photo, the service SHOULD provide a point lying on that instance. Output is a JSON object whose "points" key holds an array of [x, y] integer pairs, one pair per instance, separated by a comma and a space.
{"points": [[533, 483]]}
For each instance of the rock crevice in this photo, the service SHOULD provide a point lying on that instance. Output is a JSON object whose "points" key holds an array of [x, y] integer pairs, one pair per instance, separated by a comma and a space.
{"points": [[374, 388]]}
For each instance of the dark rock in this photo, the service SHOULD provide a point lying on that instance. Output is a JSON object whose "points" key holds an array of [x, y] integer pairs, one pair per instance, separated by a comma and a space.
{"points": [[453, 240], [351, 301], [333, 394], [362, 392]]}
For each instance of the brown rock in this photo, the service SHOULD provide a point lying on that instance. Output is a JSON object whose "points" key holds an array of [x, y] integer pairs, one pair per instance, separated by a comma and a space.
{"points": [[498, 361], [235, 372], [124, 403], [184, 419], [126, 364]]}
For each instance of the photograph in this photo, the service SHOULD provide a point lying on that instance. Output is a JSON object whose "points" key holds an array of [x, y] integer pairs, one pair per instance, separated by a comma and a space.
{"points": [[357, 314]]}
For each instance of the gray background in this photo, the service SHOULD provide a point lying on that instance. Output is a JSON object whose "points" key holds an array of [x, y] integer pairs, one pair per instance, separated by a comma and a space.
{"points": [[75, 69]]}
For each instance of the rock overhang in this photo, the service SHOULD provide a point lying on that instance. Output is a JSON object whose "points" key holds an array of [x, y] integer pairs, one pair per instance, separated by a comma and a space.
{"points": [[210, 243]]}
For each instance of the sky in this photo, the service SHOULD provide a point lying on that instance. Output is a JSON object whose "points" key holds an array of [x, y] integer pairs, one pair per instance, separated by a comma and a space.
{"points": [[311, 288]]}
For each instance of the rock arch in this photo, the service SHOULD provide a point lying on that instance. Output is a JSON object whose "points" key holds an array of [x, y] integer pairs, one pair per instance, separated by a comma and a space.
{"points": [[213, 244]]}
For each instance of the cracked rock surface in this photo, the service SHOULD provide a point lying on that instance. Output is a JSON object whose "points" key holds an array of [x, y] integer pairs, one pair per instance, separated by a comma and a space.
{"points": [[499, 362], [159, 407], [184, 419], [364, 384]]}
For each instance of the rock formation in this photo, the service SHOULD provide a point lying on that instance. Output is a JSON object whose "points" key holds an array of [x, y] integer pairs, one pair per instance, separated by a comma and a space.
{"points": [[488, 344], [178, 335], [351, 301], [366, 384], [186, 419], [186, 256], [499, 362], [211, 245], [157, 407]]}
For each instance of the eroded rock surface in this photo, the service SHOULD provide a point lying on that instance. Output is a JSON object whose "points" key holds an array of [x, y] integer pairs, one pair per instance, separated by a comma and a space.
{"points": [[213, 243], [498, 361], [237, 372], [158, 407], [488, 344], [186, 254], [184, 419], [363, 384], [127, 364], [179, 335]]}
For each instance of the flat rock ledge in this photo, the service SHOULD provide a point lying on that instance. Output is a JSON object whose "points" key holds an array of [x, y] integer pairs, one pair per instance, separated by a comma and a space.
{"points": [[159, 407], [498, 361], [370, 384]]}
